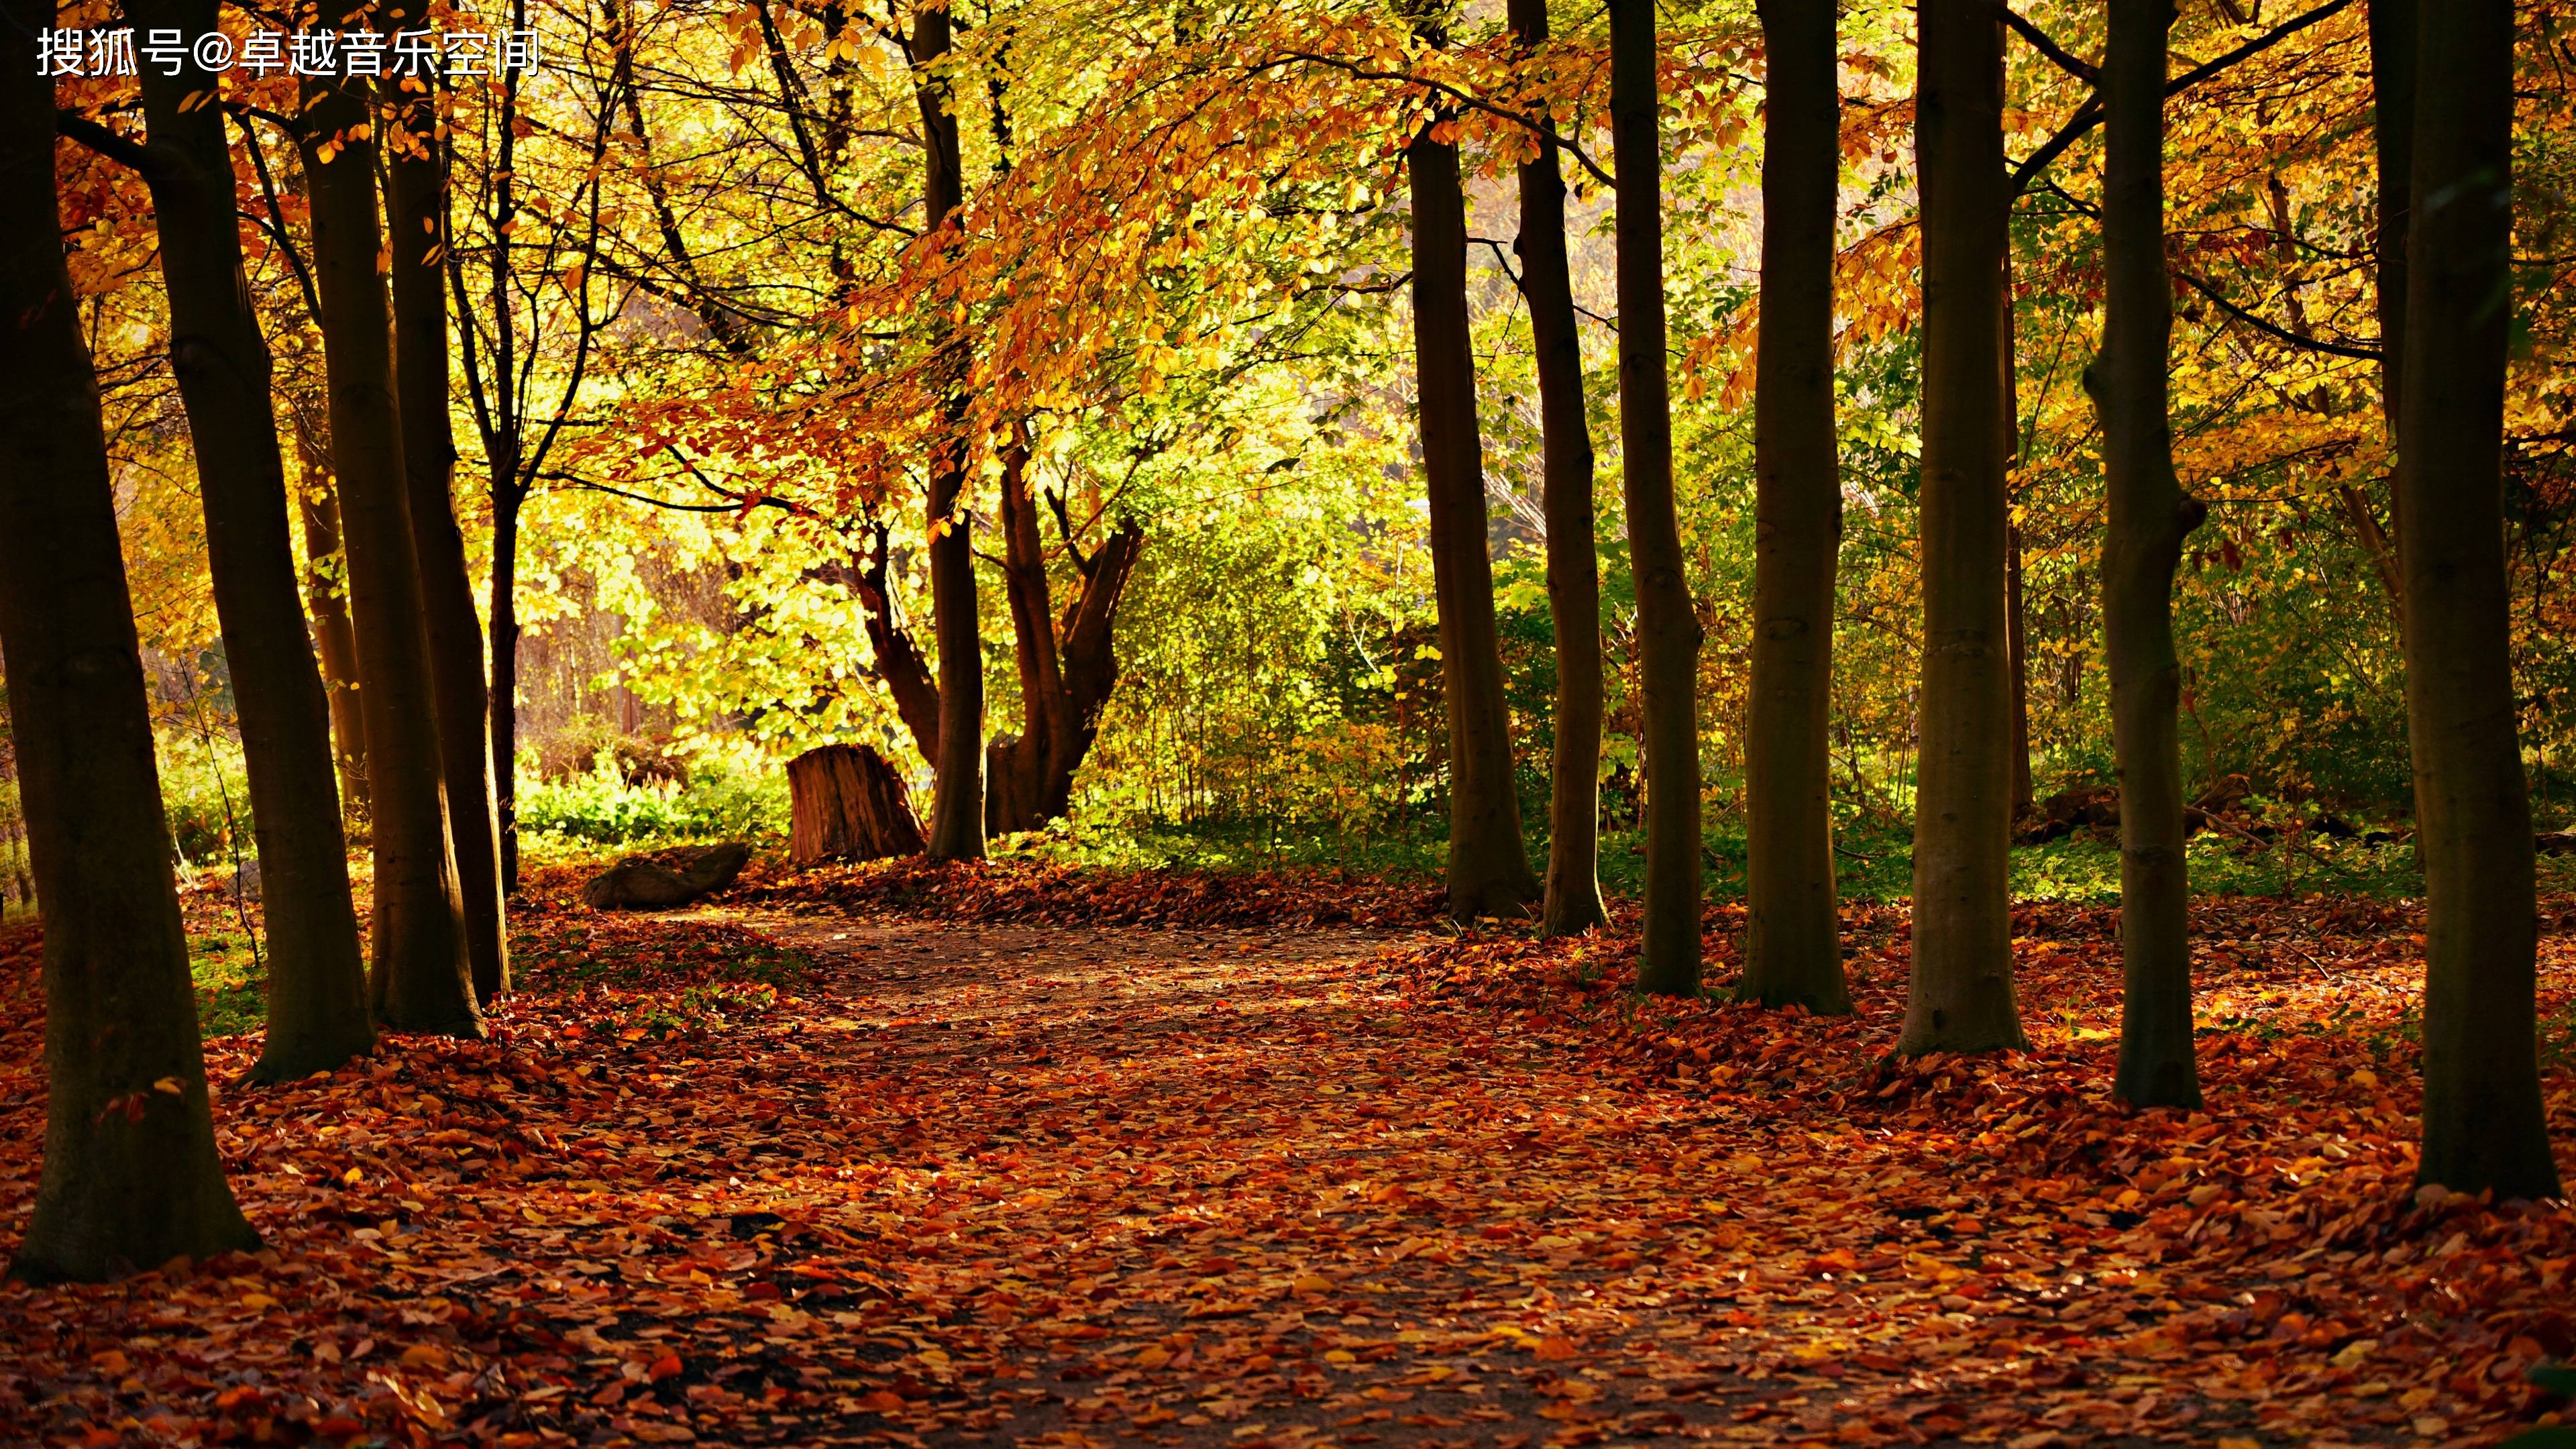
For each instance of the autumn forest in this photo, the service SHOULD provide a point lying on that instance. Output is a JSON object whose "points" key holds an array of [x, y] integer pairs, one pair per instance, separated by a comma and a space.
{"points": [[1298, 724]]}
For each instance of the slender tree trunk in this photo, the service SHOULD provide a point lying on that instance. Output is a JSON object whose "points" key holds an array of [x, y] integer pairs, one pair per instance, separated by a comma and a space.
{"points": [[326, 595], [898, 657], [507, 497], [130, 1177], [2150, 516], [1668, 629], [957, 797], [1960, 997], [1018, 768], [1793, 936], [2016, 614], [1573, 902], [1489, 870], [419, 978], [416, 203], [317, 1013], [2485, 1126]]}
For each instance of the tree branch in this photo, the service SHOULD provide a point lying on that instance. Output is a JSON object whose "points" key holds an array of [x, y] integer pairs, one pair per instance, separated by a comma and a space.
{"points": [[2271, 330], [2090, 74], [123, 150]]}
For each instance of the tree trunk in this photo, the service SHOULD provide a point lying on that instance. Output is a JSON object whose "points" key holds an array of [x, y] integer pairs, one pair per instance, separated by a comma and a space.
{"points": [[326, 595], [131, 1178], [317, 1013], [1067, 667], [416, 203], [1489, 870], [1573, 902], [898, 658], [1668, 630], [1793, 936], [1018, 764], [419, 978], [507, 496], [2150, 516], [2485, 1126], [2016, 615], [845, 801], [957, 798], [1960, 997]]}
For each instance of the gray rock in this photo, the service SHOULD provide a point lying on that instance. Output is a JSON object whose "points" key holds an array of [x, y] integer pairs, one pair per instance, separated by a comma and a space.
{"points": [[667, 878]]}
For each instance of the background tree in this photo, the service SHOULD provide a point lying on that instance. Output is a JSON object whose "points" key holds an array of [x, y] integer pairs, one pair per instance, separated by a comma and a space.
{"points": [[130, 1175], [1573, 898], [1489, 870], [1793, 935], [2485, 1127], [417, 236], [1961, 994], [957, 804], [419, 977], [2150, 516], [1667, 623]]}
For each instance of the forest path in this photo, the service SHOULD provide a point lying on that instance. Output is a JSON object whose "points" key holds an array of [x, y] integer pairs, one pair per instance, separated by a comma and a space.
{"points": [[1197, 1186]]}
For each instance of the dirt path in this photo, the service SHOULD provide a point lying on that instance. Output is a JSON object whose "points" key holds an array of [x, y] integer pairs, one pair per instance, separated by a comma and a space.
{"points": [[1211, 1187]]}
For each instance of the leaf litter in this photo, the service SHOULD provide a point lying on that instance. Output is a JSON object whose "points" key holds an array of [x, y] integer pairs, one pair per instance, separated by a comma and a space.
{"points": [[998, 1156]]}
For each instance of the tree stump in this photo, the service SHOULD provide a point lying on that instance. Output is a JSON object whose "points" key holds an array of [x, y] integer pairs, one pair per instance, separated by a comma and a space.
{"points": [[846, 801]]}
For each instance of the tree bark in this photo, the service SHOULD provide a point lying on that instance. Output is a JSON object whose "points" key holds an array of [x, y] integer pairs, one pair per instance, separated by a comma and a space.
{"points": [[326, 596], [1960, 997], [419, 979], [1489, 870], [317, 1013], [898, 658], [508, 495], [1067, 668], [2485, 1126], [2016, 614], [2150, 515], [1573, 901], [1793, 936], [846, 801], [416, 203], [131, 1178], [957, 798], [1668, 628]]}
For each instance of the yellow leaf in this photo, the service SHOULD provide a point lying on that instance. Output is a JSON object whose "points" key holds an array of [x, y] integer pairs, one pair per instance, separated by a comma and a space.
{"points": [[169, 1085]]}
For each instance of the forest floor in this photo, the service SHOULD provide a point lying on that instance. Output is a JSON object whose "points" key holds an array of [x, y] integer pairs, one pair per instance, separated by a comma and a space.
{"points": [[1012, 1156]]}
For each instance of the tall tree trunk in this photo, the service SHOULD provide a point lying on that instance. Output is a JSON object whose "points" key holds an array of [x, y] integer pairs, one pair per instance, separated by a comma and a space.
{"points": [[1573, 902], [130, 1178], [416, 203], [2016, 615], [1793, 936], [957, 796], [326, 599], [419, 978], [1489, 869], [2485, 1126], [2150, 516], [317, 1010], [508, 495], [1668, 630], [1960, 997]]}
